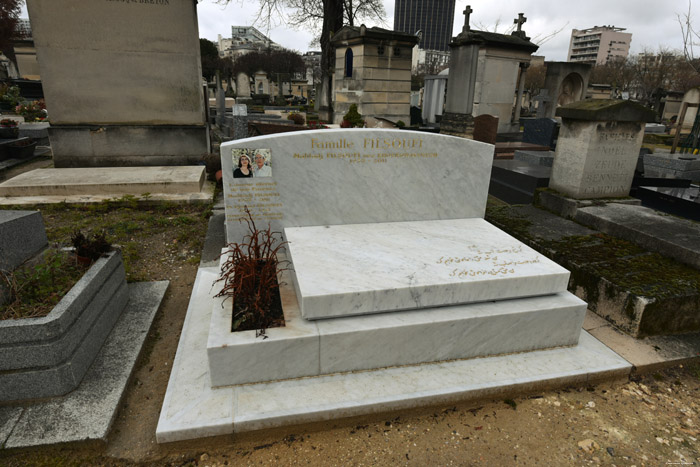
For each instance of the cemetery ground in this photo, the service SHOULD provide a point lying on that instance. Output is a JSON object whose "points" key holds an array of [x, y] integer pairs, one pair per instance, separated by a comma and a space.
{"points": [[650, 419]]}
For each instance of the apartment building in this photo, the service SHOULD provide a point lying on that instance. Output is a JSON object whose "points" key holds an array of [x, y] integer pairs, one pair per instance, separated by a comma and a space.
{"points": [[598, 45]]}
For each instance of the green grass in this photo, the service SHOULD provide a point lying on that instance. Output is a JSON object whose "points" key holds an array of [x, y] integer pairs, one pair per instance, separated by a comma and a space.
{"points": [[34, 290]]}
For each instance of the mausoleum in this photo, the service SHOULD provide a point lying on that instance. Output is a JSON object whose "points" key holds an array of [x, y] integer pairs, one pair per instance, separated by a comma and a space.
{"points": [[373, 70]]}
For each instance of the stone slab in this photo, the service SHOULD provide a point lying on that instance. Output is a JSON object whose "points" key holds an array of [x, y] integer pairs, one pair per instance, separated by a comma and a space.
{"points": [[351, 176], [310, 348], [22, 235], [88, 412], [100, 181], [543, 158], [204, 196], [345, 270], [192, 409], [669, 235], [515, 182]]}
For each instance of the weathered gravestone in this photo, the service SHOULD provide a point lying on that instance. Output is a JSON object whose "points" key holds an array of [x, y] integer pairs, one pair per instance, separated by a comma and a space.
{"points": [[598, 148], [542, 131], [485, 128], [122, 81], [22, 235]]}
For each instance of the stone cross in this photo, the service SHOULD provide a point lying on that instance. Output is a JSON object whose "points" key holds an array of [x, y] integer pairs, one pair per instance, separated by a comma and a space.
{"points": [[467, 11], [520, 20]]}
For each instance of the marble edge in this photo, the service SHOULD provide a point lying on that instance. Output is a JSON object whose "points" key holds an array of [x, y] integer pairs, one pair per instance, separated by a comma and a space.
{"points": [[173, 428], [615, 366]]}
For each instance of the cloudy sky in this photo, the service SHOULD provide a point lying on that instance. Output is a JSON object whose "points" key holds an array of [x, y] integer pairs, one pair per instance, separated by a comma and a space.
{"points": [[653, 24]]}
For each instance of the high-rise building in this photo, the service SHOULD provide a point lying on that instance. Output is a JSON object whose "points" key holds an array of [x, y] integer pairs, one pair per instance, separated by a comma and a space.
{"points": [[598, 45], [434, 18]]}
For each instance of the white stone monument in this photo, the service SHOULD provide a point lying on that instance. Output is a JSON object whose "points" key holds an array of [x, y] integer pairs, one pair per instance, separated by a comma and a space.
{"points": [[393, 270], [598, 148]]}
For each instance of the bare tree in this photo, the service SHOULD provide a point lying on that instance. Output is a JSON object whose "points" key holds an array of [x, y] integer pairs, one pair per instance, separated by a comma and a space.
{"points": [[691, 37], [9, 16]]}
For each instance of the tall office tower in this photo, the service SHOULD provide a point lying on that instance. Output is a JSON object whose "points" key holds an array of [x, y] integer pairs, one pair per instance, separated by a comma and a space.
{"points": [[434, 18]]}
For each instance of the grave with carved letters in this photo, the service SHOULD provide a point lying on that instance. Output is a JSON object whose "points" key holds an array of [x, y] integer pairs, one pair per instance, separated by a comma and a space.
{"points": [[383, 226], [598, 148], [392, 266]]}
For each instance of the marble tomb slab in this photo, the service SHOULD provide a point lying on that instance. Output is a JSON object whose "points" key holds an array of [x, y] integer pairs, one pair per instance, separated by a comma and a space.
{"points": [[193, 409], [310, 348], [346, 270]]}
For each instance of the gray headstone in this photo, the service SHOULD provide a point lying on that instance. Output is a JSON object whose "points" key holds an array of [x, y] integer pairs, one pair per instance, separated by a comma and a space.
{"points": [[22, 235], [240, 121], [540, 131]]}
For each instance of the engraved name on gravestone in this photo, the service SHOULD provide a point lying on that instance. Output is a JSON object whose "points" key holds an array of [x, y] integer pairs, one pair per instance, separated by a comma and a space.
{"points": [[331, 177], [598, 147]]}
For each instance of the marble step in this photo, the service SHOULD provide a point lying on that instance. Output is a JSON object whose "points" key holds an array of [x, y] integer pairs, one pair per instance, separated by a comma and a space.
{"points": [[192, 408], [346, 270], [105, 180], [311, 348]]}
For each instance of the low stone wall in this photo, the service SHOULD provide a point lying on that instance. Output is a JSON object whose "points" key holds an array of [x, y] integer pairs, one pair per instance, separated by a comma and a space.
{"points": [[48, 356]]}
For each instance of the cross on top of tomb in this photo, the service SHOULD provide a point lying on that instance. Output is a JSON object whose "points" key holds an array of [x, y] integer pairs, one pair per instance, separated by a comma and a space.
{"points": [[519, 21], [467, 11]]}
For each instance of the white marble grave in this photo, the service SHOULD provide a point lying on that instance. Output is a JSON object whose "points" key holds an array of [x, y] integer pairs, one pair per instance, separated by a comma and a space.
{"points": [[334, 177], [396, 284], [345, 270], [311, 348]]}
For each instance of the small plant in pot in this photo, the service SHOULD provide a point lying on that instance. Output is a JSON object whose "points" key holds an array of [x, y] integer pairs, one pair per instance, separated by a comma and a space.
{"points": [[249, 277], [8, 128], [90, 248]]}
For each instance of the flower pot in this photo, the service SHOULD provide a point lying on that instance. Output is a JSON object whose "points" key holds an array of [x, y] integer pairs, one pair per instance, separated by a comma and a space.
{"points": [[21, 150]]}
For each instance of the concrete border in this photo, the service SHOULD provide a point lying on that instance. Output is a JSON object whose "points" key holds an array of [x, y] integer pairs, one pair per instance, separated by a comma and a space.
{"points": [[88, 412], [48, 356]]}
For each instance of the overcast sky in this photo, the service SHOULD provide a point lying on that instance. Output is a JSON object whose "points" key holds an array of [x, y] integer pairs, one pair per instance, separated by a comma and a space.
{"points": [[653, 24]]}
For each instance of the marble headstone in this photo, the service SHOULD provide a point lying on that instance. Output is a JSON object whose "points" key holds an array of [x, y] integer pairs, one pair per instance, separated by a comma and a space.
{"points": [[331, 177]]}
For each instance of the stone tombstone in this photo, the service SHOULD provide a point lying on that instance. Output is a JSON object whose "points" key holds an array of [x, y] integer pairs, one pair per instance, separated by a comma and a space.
{"points": [[565, 83], [485, 128], [330, 177], [598, 148], [240, 121], [220, 103], [485, 68], [242, 85], [540, 131], [434, 97], [22, 235], [122, 81]]}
